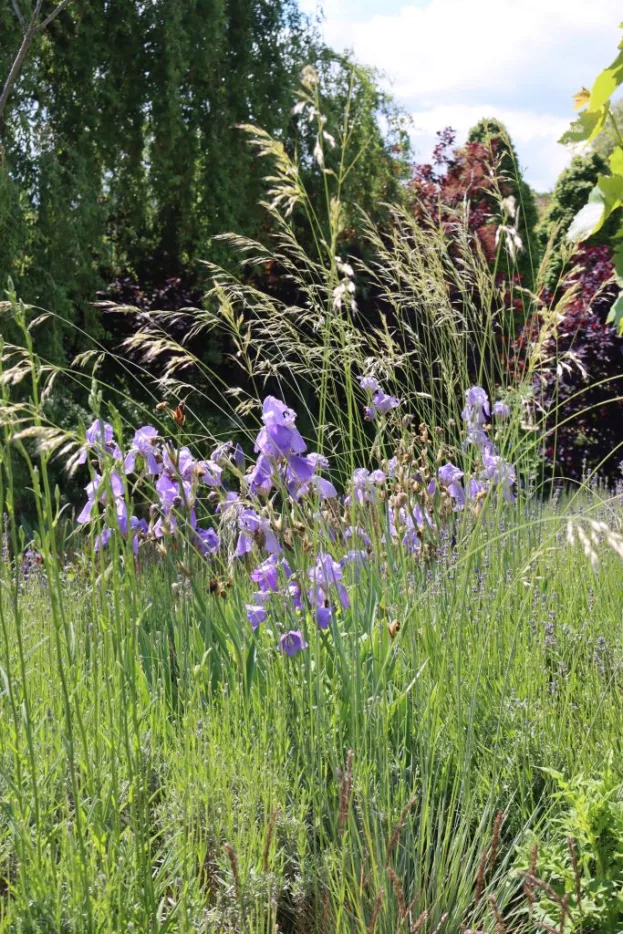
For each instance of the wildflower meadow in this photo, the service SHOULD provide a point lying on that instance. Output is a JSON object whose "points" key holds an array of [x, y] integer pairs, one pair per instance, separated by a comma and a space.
{"points": [[319, 640]]}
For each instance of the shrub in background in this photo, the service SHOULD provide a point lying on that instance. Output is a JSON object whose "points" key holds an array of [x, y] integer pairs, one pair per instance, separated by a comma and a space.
{"points": [[482, 173], [580, 384]]}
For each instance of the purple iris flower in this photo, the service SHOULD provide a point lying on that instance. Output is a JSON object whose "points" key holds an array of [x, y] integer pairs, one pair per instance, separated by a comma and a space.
{"points": [[352, 530], [121, 509], [476, 409], [182, 465], [267, 574], [102, 539], [369, 383], [449, 473], [116, 484], [91, 489], [324, 488], [256, 614], [501, 473], [144, 444], [478, 436], [279, 440], [222, 452], [100, 438], [254, 528], [292, 642], [279, 436], [450, 476], [475, 488], [261, 477], [327, 574], [422, 517], [100, 433], [301, 467], [168, 491], [411, 542], [165, 525], [139, 527], [363, 487], [501, 410], [228, 452], [208, 541], [294, 592], [318, 461], [209, 473], [231, 501], [383, 403], [323, 617]]}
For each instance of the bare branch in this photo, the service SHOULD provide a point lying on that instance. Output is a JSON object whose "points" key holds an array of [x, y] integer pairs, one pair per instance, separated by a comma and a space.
{"points": [[34, 27], [19, 15], [53, 15]]}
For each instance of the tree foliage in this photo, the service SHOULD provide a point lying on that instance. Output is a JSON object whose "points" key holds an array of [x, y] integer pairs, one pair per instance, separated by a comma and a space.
{"points": [[483, 176], [580, 384], [122, 153], [502, 156]]}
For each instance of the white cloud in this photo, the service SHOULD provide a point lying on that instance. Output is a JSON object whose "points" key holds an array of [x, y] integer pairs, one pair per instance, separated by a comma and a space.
{"points": [[520, 60]]}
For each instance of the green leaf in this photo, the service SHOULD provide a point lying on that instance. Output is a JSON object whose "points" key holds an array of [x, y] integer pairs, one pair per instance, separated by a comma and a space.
{"points": [[586, 221], [616, 161], [615, 315], [606, 84], [606, 197], [589, 218], [585, 128], [611, 187], [618, 263]]}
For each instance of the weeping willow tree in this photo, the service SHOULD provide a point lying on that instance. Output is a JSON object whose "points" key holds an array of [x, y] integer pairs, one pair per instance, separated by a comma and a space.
{"points": [[121, 149], [119, 140]]}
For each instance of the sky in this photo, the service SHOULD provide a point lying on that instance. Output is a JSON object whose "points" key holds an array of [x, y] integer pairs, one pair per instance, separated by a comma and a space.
{"points": [[451, 62]]}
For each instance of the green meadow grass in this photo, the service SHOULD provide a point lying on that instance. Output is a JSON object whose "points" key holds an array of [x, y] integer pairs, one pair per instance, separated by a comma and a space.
{"points": [[163, 769]]}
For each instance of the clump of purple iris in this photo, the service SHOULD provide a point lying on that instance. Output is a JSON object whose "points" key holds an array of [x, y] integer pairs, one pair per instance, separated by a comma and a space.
{"points": [[178, 473], [326, 584], [364, 486], [186, 487], [500, 474], [496, 472], [97, 493], [282, 458]]}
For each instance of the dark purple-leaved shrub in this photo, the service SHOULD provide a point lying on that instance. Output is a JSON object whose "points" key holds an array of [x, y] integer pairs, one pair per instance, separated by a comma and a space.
{"points": [[580, 389]]}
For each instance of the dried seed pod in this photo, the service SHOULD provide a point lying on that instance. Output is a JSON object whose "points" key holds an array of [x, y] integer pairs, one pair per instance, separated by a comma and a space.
{"points": [[179, 415]]}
